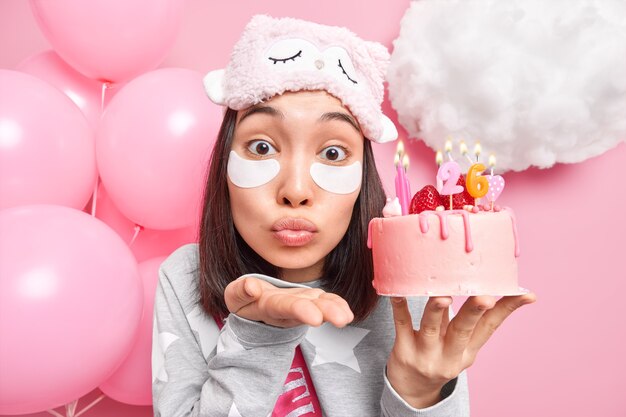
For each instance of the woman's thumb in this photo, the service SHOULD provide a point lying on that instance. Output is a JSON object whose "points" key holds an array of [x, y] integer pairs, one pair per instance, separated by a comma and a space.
{"points": [[241, 292]]}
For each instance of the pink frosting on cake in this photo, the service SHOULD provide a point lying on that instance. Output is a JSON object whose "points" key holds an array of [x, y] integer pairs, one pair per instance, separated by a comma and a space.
{"points": [[450, 252]]}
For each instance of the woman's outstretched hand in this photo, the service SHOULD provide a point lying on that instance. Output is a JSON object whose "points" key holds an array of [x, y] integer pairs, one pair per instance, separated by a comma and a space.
{"points": [[258, 300], [423, 361]]}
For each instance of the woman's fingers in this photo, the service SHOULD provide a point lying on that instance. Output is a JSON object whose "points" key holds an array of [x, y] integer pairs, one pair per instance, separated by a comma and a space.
{"points": [[333, 311], [402, 321], [493, 318], [286, 305], [461, 327], [337, 299], [445, 321], [258, 300], [303, 310], [310, 306], [430, 326]]}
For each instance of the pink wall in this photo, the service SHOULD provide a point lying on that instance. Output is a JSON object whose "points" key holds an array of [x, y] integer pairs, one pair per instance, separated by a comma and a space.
{"points": [[562, 356]]}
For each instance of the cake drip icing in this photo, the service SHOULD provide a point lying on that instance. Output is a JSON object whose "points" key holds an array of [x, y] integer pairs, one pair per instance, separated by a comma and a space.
{"points": [[444, 229], [443, 222]]}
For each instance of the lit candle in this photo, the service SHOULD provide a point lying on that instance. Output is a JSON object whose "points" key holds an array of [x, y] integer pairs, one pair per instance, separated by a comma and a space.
{"points": [[492, 162], [477, 150], [439, 161], [496, 183], [405, 166], [476, 184], [448, 149], [401, 182], [439, 158], [465, 151], [400, 149]]}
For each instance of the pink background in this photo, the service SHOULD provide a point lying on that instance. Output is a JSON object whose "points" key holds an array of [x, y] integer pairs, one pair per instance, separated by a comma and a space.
{"points": [[563, 355]]}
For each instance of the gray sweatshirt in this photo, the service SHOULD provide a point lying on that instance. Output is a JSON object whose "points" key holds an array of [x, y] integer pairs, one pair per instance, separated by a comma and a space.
{"points": [[198, 370]]}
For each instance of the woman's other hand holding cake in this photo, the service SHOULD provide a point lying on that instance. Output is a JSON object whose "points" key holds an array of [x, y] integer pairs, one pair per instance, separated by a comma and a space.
{"points": [[424, 360]]}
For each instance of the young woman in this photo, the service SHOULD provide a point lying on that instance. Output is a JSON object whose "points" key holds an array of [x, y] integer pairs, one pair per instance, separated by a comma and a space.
{"points": [[282, 265]]}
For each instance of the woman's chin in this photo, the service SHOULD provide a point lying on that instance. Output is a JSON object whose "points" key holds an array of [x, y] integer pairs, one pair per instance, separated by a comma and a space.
{"points": [[298, 270]]}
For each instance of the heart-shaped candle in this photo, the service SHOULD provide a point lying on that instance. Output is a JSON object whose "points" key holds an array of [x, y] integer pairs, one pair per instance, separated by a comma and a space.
{"points": [[496, 185]]}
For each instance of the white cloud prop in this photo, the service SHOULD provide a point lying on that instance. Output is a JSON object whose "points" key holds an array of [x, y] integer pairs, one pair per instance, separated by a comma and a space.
{"points": [[537, 82]]}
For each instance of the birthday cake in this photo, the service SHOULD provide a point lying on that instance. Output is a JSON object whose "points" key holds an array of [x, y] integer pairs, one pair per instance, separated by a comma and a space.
{"points": [[445, 246]]}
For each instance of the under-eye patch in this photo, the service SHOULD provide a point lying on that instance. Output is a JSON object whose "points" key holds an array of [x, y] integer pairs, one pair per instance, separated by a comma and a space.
{"points": [[246, 173], [337, 179]]}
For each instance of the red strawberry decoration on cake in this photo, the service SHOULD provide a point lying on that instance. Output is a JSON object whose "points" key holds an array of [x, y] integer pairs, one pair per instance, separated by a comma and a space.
{"points": [[427, 198]]}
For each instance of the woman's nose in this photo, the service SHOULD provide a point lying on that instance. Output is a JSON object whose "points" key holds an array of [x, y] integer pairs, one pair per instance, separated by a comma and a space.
{"points": [[296, 185]]}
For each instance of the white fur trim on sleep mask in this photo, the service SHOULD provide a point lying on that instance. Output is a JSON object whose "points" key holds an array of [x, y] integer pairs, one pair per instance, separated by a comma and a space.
{"points": [[213, 86]]}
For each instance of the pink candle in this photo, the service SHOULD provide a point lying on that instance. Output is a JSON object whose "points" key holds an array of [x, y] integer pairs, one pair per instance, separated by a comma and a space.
{"points": [[402, 186], [405, 165]]}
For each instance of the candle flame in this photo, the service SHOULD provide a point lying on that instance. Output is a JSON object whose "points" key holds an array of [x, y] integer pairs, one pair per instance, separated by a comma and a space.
{"points": [[405, 162], [396, 159], [477, 149], [492, 160], [439, 158], [463, 147], [400, 148], [448, 146]]}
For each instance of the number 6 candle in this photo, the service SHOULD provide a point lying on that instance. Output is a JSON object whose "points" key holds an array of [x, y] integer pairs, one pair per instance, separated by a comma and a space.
{"points": [[476, 184]]}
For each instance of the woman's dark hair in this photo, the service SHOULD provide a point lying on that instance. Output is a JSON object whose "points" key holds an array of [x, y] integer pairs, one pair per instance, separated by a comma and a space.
{"points": [[224, 255]]}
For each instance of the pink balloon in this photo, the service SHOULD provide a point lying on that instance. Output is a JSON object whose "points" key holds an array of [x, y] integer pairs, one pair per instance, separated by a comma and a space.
{"points": [[46, 145], [132, 381], [70, 304], [148, 243], [153, 147], [86, 93], [110, 40]]}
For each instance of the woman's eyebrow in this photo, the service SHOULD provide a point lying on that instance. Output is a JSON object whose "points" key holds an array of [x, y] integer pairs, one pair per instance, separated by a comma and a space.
{"points": [[337, 115], [263, 110]]}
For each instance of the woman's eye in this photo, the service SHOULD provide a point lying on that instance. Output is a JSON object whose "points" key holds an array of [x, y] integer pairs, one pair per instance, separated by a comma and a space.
{"points": [[261, 148], [334, 153]]}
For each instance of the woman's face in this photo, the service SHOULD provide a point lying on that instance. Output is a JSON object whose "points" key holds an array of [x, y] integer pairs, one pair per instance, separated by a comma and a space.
{"points": [[294, 174]]}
